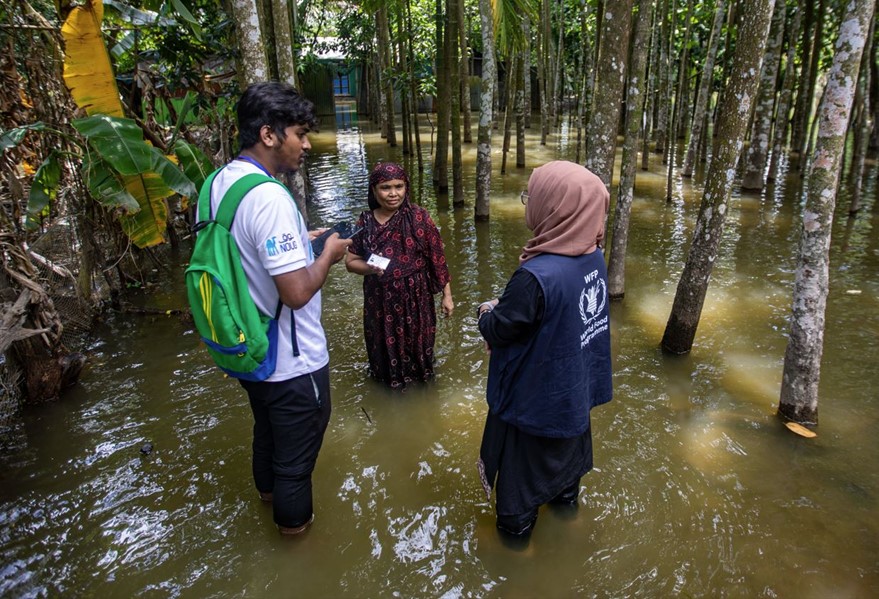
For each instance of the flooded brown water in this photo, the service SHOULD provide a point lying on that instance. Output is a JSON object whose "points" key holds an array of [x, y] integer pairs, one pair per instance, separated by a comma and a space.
{"points": [[697, 491]]}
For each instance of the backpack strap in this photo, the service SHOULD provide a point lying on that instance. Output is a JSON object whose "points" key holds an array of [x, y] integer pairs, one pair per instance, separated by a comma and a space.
{"points": [[204, 198], [229, 203]]}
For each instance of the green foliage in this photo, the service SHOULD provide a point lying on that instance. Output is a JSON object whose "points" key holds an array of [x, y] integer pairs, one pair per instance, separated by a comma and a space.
{"points": [[106, 186], [13, 137], [44, 188], [117, 140], [196, 165]]}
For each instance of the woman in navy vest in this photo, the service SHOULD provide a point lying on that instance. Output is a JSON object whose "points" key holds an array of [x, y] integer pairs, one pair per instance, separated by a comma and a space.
{"points": [[549, 336]]}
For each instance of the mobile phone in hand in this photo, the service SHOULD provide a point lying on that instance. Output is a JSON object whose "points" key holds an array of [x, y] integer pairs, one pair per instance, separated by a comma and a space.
{"points": [[346, 230]]}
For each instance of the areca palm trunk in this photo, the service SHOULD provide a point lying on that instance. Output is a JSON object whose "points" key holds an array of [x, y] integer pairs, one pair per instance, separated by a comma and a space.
{"points": [[486, 105], [705, 84], [782, 117], [455, 89], [543, 71], [758, 150], [520, 110], [253, 64], [283, 42], [609, 84], [509, 109], [662, 73], [806, 122], [616, 271], [413, 87], [465, 72], [385, 56], [441, 159], [677, 111], [802, 359], [860, 134], [733, 119]]}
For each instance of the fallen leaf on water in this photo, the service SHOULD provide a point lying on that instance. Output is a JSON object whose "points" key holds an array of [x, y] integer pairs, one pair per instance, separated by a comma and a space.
{"points": [[801, 430]]}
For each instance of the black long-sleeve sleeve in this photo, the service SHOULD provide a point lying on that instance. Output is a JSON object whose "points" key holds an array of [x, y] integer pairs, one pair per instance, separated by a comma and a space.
{"points": [[517, 315]]}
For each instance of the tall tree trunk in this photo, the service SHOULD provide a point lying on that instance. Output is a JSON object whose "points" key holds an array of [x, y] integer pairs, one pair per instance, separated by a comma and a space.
{"points": [[782, 111], [441, 161], [668, 109], [704, 93], [509, 109], [543, 71], [859, 127], [486, 104], [465, 72], [677, 112], [293, 11], [651, 91], [404, 97], [802, 101], [662, 72], [283, 42], [732, 124], [558, 67], [455, 89], [587, 78], [802, 358], [806, 124], [754, 177], [616, 270], [526, 27], [265, 10], [612, 58], [413, 86], [252, 62], [874, 94], [520, 109], [386, 53]]}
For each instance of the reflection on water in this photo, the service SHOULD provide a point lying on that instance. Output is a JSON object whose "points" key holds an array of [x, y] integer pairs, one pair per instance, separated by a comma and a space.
{"points": [[697, 490]]}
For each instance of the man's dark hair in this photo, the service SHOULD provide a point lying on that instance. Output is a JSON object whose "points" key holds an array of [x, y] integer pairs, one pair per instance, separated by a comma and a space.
{"points": [[275, 104]]}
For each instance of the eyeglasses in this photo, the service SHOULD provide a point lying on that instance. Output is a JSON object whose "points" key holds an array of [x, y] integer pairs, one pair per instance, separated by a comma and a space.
{"points": [[523, 197]]}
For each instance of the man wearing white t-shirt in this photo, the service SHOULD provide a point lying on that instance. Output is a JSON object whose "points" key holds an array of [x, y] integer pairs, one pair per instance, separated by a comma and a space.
{"points": [[291, 409]]}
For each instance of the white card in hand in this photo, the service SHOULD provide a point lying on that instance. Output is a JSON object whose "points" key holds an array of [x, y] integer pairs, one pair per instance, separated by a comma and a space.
{"points": [[378, 261]]}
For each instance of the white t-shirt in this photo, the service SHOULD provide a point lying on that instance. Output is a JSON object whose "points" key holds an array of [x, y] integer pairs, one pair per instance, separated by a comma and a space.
{"points": [[272, 238]]}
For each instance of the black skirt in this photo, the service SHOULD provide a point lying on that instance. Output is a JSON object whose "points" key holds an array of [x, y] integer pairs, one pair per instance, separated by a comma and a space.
{"points": [[526, 470]]}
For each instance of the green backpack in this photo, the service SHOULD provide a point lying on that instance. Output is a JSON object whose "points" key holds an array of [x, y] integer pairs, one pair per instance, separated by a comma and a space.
{"points": [[241, 340]]}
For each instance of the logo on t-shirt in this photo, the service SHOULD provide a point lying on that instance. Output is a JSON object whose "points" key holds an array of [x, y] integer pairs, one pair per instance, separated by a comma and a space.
{"points": [[592, 301], [286, 243]]}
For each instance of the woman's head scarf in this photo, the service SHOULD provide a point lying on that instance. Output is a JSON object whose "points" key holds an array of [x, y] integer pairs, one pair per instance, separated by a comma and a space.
{"points": [[566, 210], [386, 171]]}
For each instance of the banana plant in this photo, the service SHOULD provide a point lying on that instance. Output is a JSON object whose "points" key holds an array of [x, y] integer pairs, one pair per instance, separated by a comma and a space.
{"points": [[121, 170]]}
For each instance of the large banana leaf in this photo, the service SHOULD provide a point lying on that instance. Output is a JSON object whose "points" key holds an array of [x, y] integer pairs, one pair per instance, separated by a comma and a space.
{"points": [[171, 174], [147, 226], [195, 164], [87, 69], [106, 186], [128, 173], [119, 141], [140, 200]]}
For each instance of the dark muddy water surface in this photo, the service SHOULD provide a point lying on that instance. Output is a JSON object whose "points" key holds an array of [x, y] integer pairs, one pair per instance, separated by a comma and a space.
{"points": [[698, 490]]}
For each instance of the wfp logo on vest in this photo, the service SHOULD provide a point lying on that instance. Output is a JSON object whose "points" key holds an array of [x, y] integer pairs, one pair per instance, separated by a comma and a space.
{"points": [[592, 301], [286, 244]]}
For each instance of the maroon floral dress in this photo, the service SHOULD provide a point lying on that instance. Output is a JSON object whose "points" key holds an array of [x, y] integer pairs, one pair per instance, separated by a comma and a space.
{"points": [[399, 315]]}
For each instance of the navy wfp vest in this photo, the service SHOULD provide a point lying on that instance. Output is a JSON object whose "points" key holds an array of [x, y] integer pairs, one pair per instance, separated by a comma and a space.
{"points": [[547, 385]]}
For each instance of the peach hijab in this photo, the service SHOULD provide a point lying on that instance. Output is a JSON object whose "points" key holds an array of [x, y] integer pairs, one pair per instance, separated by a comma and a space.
{"points": [[566, 210]]}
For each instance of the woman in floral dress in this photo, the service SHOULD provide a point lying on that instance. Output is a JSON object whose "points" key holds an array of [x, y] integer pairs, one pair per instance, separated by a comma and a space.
{"points": [[399, 316]]}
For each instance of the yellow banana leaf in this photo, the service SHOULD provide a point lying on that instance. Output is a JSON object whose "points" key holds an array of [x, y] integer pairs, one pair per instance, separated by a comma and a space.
{"points": [[146, 227], [87, 69]]}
